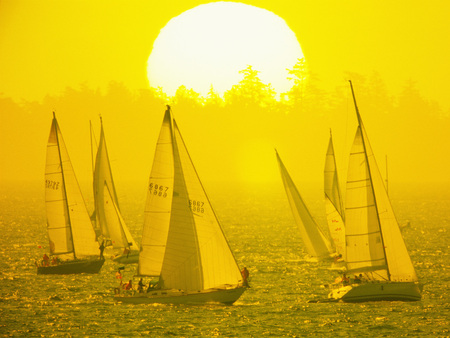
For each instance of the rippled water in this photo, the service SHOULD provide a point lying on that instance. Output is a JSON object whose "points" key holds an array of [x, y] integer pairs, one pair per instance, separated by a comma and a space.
{"points": [[260, 229]]}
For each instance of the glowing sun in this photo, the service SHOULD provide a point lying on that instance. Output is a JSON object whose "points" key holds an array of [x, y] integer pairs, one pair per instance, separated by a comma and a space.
{"points": [[209, 44]]}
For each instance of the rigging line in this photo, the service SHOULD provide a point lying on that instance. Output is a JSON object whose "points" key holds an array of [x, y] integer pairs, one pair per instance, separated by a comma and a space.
{"points": [[344, 149]]}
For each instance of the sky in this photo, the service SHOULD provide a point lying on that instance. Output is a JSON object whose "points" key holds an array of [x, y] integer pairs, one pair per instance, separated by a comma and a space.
{"points": [[46, 46]]}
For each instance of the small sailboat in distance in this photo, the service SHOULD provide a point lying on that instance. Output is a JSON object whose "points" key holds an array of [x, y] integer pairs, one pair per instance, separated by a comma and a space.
{"points": [[316, 244], [333, 204], [71, 235], [112, 226], [376, 252], [183, 244]]}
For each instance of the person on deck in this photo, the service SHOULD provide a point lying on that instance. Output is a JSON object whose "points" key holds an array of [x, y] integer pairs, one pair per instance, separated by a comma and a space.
{"points": [[129, 285], [245, 274], [141, 286], [45, 260], [102, 248], [119, 279], [345, 280]]}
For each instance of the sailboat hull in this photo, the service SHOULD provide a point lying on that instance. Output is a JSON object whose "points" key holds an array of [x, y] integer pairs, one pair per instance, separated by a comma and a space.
{"points": [[368, 292], [225, 296], [131, 258], [72, 267]]}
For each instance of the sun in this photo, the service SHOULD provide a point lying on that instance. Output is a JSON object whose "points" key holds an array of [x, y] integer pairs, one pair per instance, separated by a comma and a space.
{"points": [[209, 44]]}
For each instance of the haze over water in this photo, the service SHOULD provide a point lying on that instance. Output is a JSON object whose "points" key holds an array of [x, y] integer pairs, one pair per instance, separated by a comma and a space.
{"points": [[86, 58], [261, 232]]}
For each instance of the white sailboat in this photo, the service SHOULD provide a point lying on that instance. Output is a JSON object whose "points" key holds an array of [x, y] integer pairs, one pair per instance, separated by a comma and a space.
{"points": [[182, 241], [316, 244], [114, 231], [376, 252], [70, 231], [333, 203]]}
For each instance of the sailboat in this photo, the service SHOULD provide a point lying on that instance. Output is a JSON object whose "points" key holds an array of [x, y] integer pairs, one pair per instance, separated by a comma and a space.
{"points": [[183, 244], [316, 244], [376, 252], [333, 203], [71, 235], [114, 231]]}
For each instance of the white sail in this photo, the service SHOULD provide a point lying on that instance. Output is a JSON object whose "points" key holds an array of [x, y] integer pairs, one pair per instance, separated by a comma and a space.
{"points": [[102, 176], [374, 240], [182, 241], [158, 204], [333, 201], [69, 227], [119, 233], [315, 242], [107, 210]]}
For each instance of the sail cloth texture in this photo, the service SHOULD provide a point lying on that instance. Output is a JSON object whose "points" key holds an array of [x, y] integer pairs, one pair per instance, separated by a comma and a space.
{"points": [[315, 241], [180, 228], [333, 201], [158, 204], [118, 230], [374, 240], [68, 224]]}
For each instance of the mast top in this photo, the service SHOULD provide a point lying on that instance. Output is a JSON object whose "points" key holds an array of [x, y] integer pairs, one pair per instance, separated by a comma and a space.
{"points": [[354, 102]]}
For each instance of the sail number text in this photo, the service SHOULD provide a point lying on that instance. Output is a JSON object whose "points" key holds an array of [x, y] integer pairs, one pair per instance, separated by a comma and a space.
{"points": [[51, 184], [197, 206], [158, 190]]}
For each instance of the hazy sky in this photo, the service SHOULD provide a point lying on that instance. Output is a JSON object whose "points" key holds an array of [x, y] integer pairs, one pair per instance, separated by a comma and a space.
{"points": [[46, 46]]}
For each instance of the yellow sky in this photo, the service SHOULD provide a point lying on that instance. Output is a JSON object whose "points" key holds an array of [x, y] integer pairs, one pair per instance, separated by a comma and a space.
{"points": [[46, 46]]}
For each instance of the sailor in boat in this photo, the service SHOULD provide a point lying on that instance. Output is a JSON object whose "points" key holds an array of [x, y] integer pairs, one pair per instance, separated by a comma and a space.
{"points": [[342, 280], [45, 260], [338, 258], [126, 251], [128, 286], [102, 248], [140, 286], [245, 274], [358, 279], [119, 279]]}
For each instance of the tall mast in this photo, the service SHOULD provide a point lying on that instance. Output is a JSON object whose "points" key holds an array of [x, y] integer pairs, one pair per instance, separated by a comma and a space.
{"points": [[55, 125], [92, 148], [370, 175]]}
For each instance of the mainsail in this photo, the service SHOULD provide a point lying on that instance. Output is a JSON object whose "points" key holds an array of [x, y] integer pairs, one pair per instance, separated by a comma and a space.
{"points": [[107, 211], [315, 241], [333, 201], [69, 227], [374, 240], [182, 241]]}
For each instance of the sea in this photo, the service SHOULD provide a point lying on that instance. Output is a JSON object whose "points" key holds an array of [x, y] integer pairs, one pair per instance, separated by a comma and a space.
{"points": [[259, 226]]}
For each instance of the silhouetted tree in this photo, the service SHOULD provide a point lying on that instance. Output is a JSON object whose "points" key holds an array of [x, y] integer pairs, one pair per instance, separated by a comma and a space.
{"points": [[250, 91]]}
